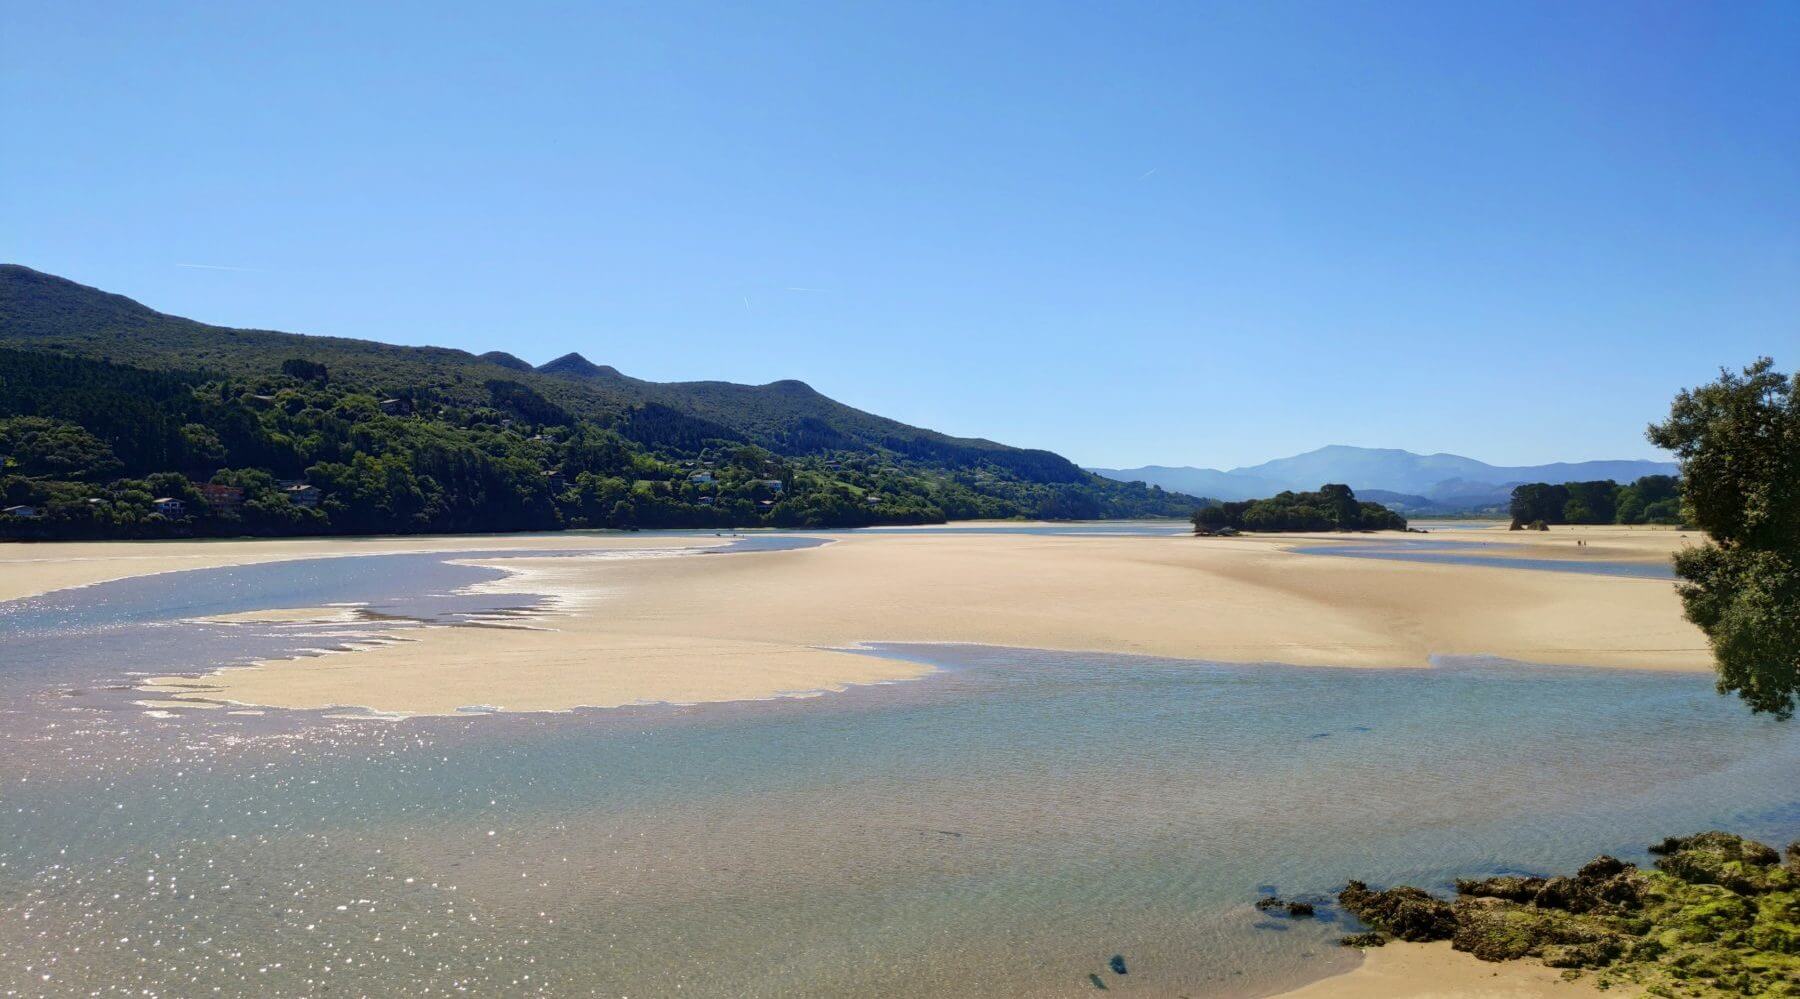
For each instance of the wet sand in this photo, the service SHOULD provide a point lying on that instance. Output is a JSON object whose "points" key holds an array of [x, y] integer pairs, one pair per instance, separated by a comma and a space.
{"points": [[767, 624], [1434, 971], [30, 568]]}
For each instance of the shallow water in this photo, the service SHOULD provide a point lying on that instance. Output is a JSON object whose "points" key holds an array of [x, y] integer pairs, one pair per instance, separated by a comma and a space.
{"points": [[1474, 553], [1002, 826]]}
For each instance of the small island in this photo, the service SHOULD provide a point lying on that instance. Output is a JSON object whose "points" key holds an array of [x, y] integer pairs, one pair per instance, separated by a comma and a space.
{"points": [[1333, 508]]}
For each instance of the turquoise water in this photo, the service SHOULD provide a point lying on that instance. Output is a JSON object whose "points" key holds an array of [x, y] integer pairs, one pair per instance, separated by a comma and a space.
{"points": [[1002, 826]]}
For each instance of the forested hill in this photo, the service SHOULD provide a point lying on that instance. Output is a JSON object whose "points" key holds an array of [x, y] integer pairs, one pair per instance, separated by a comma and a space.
{"points": [[214, 404], [42, 311]]}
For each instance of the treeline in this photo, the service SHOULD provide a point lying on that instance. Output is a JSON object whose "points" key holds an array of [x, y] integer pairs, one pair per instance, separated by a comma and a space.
{"points": [[1653, 499], [87, 448], [1332, 508]]}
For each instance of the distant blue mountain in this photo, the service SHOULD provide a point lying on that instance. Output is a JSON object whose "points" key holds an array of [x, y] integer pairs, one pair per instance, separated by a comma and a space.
{"points": [[1447, 480]]}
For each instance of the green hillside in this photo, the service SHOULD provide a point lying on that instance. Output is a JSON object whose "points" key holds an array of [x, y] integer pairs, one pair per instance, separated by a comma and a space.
{"points": [[128, 393]]}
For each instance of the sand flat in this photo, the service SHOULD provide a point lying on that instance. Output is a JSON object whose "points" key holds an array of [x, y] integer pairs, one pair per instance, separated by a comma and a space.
{"points": [[1641, 544], [28, 568], [1434, 971], [767, 624]]}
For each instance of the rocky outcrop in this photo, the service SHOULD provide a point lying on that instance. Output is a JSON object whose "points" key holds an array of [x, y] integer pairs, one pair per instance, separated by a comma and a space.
{"points": [[1405, 913], [1720, 915]]}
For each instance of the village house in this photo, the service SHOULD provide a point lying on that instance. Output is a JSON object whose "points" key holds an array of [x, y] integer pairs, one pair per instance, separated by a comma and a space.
{"points": [[701, 478], [772, 485], [222, 499], [392, 407], [23, 511], [706, 501], [302, 494], [170, 507]]}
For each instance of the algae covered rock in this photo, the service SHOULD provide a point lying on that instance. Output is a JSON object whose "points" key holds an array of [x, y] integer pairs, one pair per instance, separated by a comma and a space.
{"points": [[1405, 912], [1512, 889], [1494, 929], [1719, 916], [1720, 858]]}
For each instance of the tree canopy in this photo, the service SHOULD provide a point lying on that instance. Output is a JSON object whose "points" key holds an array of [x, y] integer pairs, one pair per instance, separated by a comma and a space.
{"points": [[90, 445], [1333, 508], [1653, 499], [1738, 441]]}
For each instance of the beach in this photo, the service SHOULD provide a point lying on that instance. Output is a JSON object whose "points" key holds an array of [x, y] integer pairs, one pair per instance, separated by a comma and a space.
{"points": [[1434, 971], [1068, 748], [767, 624]]}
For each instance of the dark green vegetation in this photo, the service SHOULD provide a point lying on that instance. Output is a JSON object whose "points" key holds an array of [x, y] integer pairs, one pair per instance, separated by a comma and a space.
{"points": [[1738, 441], [1719, 916], [1653, 499], [102, 399], [1332, 508]]}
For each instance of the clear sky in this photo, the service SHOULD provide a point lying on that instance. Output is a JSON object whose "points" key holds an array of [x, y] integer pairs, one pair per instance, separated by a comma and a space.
{"points": [[1184, 233]]}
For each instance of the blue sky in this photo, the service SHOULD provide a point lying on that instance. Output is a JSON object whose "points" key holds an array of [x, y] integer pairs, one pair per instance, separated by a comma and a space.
{"points": [[1184, 233]]}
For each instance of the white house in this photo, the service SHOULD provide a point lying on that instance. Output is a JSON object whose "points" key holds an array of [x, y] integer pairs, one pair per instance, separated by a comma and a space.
{"points": [[701, 478], [170, 507], [24, 511]]}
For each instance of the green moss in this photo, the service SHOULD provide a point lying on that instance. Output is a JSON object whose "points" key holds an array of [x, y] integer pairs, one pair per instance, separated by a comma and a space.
{"points": [[1720, 916]]}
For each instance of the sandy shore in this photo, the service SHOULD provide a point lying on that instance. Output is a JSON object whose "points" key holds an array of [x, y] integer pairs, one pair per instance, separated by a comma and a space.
{"points": [[30, 568], [1434, 971], [752, 625]]}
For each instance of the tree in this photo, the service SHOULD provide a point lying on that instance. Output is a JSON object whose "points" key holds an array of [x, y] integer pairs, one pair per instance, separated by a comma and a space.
{"points": [[1535, 501], [301, 369], [54, 448], [1738, 441], [1211, 518]]}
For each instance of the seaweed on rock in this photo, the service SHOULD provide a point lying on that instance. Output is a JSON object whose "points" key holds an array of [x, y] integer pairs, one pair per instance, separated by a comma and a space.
{"points": [[1720, 915]]}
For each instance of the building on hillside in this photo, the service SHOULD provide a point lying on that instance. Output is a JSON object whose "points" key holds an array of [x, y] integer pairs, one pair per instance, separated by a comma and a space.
{"points": [[772, 485], [222, 499], [392, 407], [170, 507], [23, 511], [705, 501], [302, 494], [701, 478], [554, 479]]}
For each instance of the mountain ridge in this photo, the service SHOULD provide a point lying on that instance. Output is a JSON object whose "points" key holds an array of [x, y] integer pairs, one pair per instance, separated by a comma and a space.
{"points": [[1443, 479], [850, 451], [41, 311]]}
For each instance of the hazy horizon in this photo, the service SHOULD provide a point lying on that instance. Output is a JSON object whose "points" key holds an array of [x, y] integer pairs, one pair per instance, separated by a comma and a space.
{"points": [[1144, 234]]}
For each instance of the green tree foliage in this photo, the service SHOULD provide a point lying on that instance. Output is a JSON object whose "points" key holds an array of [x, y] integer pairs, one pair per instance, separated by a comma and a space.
{"points": [[1738, 441], [506, 459], [1653, 499], [1333, 508], [45, 448], [301, 369]]}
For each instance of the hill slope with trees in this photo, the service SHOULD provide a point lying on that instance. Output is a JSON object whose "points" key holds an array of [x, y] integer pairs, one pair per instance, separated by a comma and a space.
{"points": [[105, 404]]}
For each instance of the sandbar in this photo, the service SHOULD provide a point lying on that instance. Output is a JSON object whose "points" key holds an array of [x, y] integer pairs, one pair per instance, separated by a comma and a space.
{"points": [[768, 624]]}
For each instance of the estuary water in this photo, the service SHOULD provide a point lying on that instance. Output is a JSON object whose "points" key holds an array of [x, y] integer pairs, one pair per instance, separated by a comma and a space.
{"points": [[1004, 826]]}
